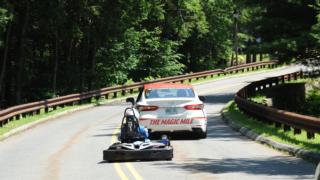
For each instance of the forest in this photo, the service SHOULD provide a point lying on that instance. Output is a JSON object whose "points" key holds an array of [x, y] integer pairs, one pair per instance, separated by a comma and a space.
{"points": [[50, 48]]}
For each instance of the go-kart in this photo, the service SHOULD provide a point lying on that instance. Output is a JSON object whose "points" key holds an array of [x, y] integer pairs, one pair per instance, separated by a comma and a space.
{"points": [[134, 143]]}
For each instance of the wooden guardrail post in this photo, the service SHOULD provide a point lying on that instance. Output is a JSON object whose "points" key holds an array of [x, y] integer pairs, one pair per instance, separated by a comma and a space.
{"points": [[296, 131], [123, 92], [310, 135], [286, 127], [277, 125]]}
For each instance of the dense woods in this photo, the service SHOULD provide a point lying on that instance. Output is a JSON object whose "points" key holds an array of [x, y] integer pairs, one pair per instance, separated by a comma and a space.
{"points": [[55, 47]]}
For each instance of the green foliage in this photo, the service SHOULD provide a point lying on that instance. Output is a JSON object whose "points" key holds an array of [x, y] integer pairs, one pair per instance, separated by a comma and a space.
{"points": [[312, 104], [158, 58], [56, 47]]}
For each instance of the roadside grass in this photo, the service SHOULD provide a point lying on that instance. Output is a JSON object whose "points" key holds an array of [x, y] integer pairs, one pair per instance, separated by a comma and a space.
{"points": [[36, 117], [259, 98], [270, 131], [32, 118]]}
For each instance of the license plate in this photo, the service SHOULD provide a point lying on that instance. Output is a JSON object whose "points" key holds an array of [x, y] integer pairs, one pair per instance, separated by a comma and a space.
{"points": [[171, 111]]}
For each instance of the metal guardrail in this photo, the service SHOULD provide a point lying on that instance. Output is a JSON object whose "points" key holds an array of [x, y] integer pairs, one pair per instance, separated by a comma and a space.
{"points": [[15, 112], [282, 119]]}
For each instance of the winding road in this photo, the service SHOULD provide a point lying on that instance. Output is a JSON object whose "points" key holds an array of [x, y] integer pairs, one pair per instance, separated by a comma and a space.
{"points": [[70, 147]]}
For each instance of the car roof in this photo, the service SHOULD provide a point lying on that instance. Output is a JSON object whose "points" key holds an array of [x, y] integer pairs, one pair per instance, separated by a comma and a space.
{"points": [[166, 86]]}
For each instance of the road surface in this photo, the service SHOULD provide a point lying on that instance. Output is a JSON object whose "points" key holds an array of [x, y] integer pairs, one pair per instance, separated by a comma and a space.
{"points": [[70, 147]]}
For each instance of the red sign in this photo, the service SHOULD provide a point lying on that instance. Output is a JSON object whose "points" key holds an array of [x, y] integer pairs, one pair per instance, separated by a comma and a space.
{"points": [[170, 121]]}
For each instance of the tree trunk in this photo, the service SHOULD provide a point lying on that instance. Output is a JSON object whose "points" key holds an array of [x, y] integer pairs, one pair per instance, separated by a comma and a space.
{"points": [[55, 69], [254, 57], [20, 54], [5, 58], [232, 57], [248, 58], [92, 59]]}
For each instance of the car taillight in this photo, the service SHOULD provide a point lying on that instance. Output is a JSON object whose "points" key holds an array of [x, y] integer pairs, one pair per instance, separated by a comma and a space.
{"points": [[147, 108], [194, 107]]}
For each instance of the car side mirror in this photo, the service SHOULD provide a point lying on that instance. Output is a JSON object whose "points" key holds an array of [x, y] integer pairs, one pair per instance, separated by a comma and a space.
{"points": [[202, 98], [131, 100]]}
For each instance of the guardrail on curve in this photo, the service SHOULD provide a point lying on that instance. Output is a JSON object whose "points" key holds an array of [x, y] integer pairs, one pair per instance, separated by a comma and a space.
{"points": [[15, 112], [281, 118]]}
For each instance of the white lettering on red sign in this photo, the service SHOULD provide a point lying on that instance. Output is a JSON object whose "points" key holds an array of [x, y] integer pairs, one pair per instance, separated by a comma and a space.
{"points": [[170, 121]]}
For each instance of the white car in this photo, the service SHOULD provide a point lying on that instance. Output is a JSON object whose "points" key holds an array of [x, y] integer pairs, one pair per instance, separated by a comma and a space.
{"points": [[170, 108]]}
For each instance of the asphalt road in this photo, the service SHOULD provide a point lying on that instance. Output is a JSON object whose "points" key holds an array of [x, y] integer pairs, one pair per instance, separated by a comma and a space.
{"points": [[70, 147]]}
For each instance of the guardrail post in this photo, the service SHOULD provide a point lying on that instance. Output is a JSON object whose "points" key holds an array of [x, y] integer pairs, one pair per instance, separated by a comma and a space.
{"points": [[283, 79], [295, 76], [46, 109], [277, 125], [131, 91], [310, 135], [115, 94], [38, 111], [242, 70], [123, 92], [286, 128], [182, 81], [189, 80], [18, 117], [24, 115], [54, 107], [296, 131], [106, 96]]}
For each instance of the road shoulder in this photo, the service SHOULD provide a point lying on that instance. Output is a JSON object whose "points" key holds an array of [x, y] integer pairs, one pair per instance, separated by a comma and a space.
{"points": [[292, 150]]}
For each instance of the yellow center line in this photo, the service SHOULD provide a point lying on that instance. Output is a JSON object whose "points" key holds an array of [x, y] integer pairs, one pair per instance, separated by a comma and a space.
{"points": [[117, 166], [133, 171], [120, 172]]}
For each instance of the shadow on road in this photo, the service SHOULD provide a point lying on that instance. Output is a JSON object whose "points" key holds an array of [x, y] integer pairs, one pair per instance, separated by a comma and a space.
{"points": [[259, 166], [219, 98]]}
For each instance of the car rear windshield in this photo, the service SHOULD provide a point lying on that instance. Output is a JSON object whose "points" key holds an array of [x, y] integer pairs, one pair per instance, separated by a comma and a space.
{"points": [[169, 93]]}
